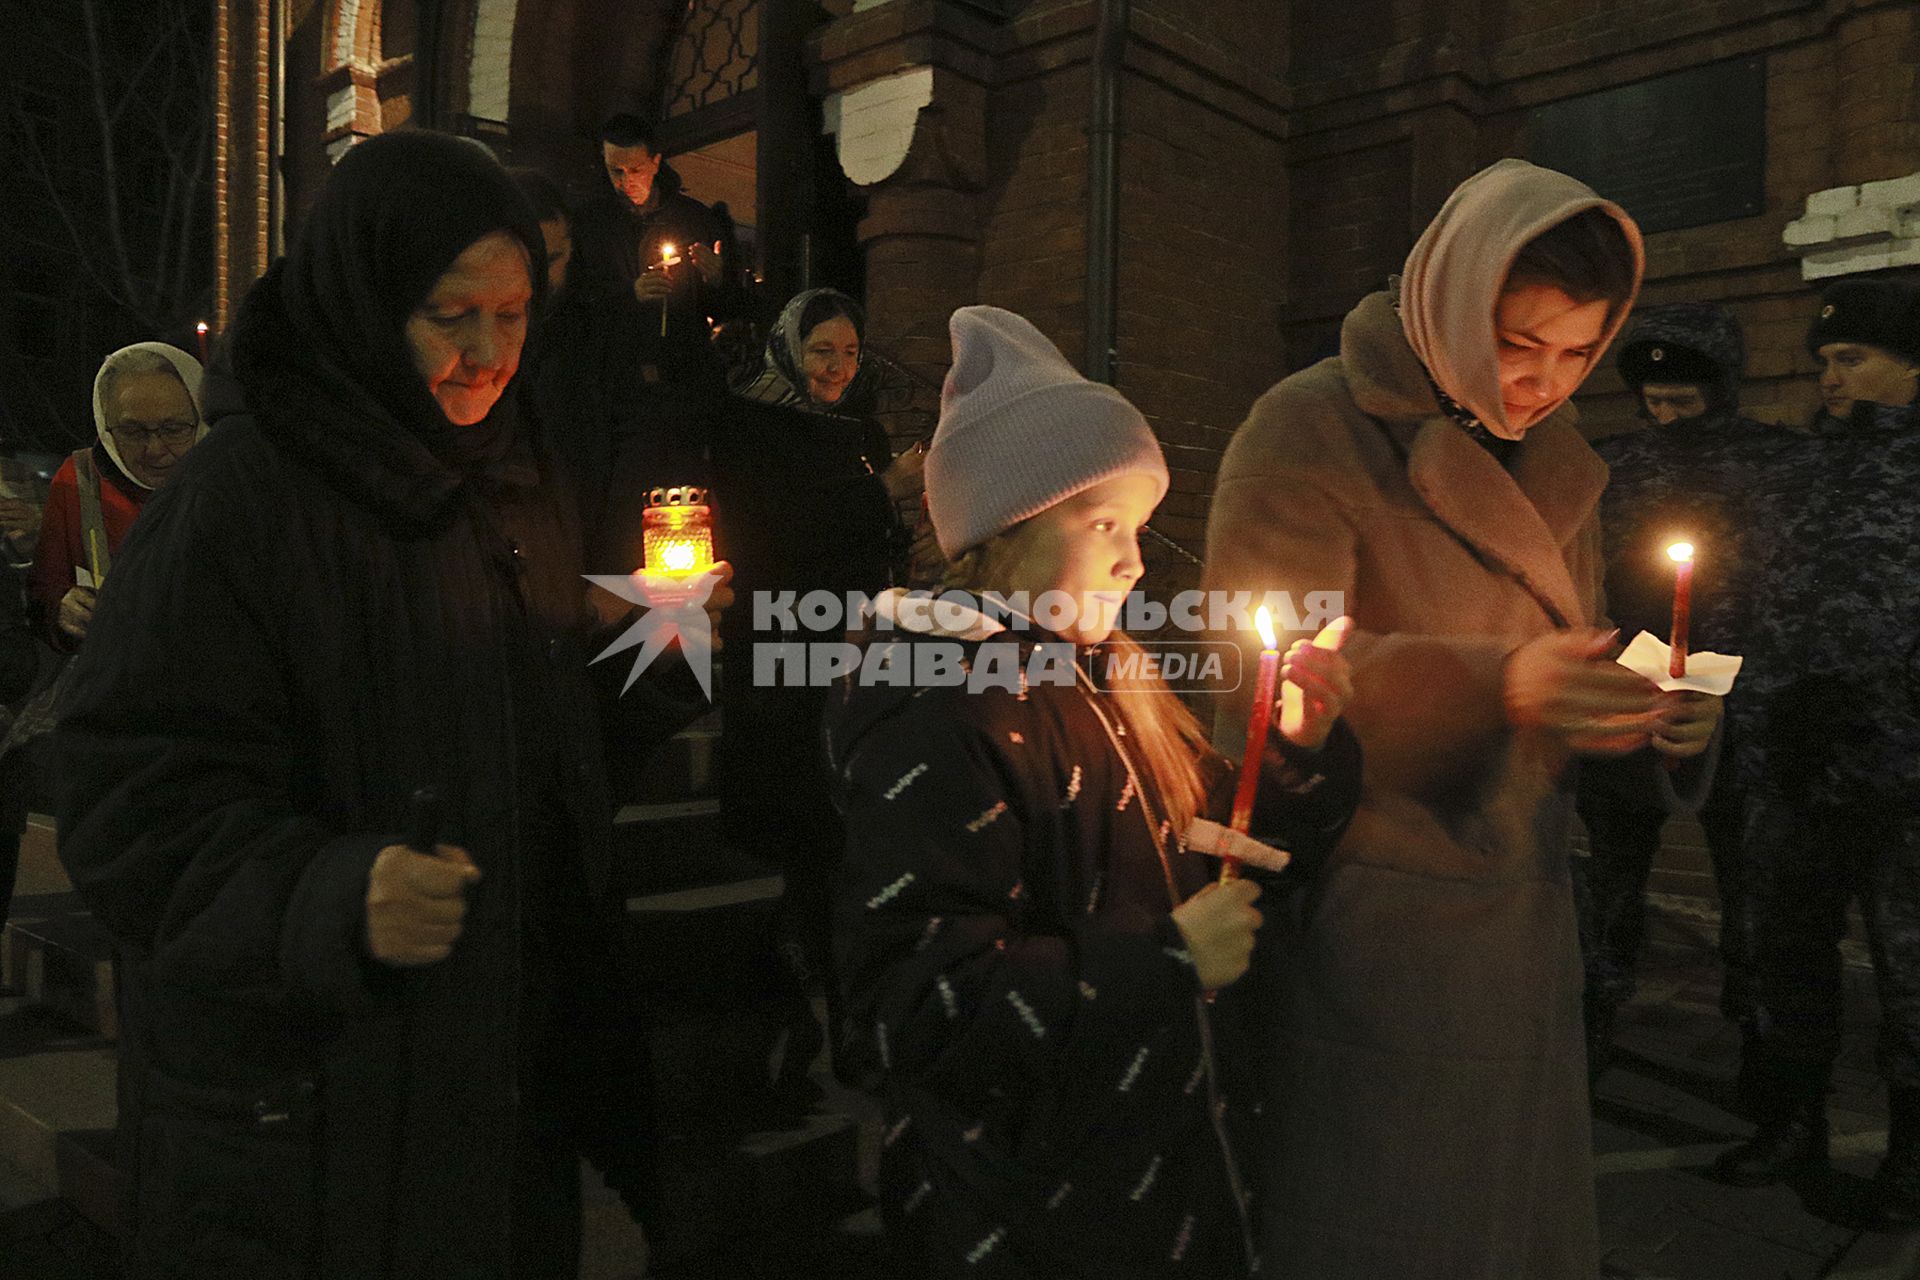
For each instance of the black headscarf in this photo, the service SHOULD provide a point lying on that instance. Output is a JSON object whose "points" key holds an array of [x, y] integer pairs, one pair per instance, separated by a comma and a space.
{"points": [[329, 320]]}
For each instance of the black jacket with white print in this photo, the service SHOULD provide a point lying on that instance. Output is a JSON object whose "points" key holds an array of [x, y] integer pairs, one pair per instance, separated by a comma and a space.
{"points": [[1003, 925]]}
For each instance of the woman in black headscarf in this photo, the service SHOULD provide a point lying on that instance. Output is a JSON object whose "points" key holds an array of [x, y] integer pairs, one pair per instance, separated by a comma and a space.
{"points": [[344, 1056]]}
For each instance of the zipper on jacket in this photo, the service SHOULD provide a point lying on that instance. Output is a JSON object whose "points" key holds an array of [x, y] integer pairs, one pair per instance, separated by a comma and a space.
{"points": [[1216, 1109], [518, 616]]}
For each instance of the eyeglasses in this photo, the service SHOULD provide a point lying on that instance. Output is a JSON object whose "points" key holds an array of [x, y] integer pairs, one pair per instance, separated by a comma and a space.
{"points": [[167, 433]]}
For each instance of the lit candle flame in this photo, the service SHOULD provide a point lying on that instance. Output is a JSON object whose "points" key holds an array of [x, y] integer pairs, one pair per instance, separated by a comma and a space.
{"points": [[669, 255], [677, 558], [1681, 551], [201, 328], [1263, 620]]}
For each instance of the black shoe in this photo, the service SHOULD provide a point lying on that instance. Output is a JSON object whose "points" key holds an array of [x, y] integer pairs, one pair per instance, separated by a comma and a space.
{"points": [[1779, 1150]]}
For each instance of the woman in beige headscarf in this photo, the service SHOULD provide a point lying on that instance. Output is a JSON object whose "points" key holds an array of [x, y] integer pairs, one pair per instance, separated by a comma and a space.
{"points": [[1419, 1003], [146, 415]]}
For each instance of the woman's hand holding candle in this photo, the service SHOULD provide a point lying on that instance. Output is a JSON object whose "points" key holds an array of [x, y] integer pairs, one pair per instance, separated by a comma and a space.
{"points": [[1319, 685], [1567, 684], [719, 600], [76, 612], [1686, 724]]}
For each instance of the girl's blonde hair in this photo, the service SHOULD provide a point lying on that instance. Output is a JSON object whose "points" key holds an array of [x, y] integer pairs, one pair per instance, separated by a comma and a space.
{"points": [[1163, 736]]}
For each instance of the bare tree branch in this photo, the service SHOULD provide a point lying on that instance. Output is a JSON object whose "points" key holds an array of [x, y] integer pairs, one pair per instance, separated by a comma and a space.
{"points": [[134, 223], [108, 163], [139, 73]]}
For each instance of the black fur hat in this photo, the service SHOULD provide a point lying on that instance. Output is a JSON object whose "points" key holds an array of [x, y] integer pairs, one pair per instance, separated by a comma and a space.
{"points": [[1879, 313], [1685, 342]]}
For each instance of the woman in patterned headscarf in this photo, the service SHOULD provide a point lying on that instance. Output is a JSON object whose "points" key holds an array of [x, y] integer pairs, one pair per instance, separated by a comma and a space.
{"points": [[813, 354]]}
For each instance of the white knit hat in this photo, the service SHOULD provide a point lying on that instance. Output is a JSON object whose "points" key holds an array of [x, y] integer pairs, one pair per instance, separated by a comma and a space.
{"points": [[1021, 430]]}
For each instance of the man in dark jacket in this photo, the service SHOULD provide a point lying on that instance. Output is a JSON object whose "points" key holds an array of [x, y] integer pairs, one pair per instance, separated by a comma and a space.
{"points": [[1685, 477], [1832, 761], [665, 258]]}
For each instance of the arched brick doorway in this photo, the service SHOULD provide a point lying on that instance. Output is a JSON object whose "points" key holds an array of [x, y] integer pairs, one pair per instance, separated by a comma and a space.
{"points": [[727, 79]]}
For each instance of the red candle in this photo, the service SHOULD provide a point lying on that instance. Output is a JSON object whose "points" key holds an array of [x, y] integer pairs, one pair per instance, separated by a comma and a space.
{"points": [[1257, 721], [1682, 553], [201, 330]]}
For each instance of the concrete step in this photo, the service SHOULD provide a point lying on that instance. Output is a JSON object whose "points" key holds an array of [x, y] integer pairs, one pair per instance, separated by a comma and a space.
{"points": [[57, 957], [680, 768], [51, 950], [758, 1196], [57, 1108], [700, 912], [49, 1239], [662, 847]]}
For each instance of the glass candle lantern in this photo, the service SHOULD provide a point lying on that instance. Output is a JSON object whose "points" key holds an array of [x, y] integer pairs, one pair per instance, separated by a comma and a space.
{"points": [[677, 529]]}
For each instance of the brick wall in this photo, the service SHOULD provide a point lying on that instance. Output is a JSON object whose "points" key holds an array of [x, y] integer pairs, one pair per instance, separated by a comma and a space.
{"points": [[1355, 209], [1033, 255], [1202, 214], [1277, 160], [1203, 237]]}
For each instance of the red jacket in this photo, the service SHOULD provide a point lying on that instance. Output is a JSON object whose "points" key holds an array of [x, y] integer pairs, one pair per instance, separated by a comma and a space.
{"points": [[62, 545]]}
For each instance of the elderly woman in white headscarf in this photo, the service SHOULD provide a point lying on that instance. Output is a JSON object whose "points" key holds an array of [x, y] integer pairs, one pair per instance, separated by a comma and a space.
{"points": [[146, 412], [1420, 1002]]}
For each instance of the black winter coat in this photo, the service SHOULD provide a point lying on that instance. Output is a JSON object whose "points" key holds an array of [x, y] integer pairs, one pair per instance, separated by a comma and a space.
{"points": [[305, 626], [613, 243], [1003, 925], [1694, 479]]}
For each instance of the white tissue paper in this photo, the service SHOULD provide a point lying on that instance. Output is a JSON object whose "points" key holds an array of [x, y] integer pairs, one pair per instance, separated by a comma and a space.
{"points": [[1706, 672]]}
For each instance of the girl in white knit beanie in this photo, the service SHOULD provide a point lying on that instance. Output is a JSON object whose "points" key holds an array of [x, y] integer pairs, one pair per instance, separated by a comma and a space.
{"points": [[1019, 923]]}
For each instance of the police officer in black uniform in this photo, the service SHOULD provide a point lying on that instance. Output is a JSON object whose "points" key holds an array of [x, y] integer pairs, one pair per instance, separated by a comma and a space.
{"points": [[1833, 742], [1685, 477]]}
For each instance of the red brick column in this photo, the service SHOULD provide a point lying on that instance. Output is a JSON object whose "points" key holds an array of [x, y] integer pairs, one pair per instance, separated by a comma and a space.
{"points": [[242, 152], [922, 232]]}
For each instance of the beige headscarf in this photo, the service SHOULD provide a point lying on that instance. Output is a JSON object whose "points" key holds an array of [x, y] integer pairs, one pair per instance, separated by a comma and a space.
{"points": [[183, 364], [1453, 277]]}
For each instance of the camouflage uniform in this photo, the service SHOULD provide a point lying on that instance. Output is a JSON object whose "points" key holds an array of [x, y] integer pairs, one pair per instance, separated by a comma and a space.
{"points": [[1832, 727], [1687, 480]]}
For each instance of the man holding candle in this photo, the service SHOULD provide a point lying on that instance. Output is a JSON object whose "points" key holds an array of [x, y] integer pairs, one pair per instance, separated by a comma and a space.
{"points": [[1688, 474], [1425, 1081], [1832, 727], [663, 255]]}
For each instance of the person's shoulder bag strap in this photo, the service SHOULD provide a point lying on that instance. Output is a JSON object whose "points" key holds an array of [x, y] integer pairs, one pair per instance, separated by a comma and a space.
{"points": [[93, 528]]}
